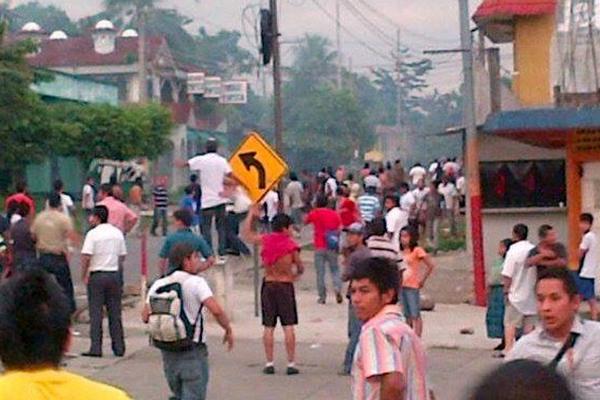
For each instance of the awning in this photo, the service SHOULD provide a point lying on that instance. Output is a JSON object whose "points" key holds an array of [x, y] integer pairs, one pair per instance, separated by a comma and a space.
{"points": [[496, 17], [546, 127]]}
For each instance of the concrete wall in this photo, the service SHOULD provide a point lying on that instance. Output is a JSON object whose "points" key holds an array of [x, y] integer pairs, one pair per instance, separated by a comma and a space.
{"points": [[498, 223], [496, 148], [532, 45], [498, 226]]}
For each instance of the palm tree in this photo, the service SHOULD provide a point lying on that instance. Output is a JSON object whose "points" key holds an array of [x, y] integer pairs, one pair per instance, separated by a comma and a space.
{"points": [[139, 9]]}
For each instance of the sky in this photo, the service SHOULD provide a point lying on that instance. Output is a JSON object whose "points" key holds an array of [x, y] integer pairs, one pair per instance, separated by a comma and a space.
{"points": [[424, 24]]}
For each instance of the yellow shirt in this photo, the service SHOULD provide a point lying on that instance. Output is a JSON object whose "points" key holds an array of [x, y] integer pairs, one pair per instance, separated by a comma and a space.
{"points": [[50, 384]]}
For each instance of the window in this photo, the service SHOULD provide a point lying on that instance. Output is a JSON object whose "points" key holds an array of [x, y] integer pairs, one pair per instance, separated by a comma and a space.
{"points": [[518, 184]]}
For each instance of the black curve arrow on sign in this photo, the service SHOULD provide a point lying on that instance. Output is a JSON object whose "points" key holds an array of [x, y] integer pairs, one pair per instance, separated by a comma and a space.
{"points": [[249, 160]]}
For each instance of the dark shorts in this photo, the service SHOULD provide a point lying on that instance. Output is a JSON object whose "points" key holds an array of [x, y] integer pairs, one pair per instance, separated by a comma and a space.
{"points": [[585, 287], [278, 300]]}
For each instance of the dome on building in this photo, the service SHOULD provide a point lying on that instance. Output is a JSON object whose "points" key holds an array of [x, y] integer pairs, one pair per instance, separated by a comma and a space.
{"points": [[105, 25], [31, 27], [129, 33], [58, 35]]}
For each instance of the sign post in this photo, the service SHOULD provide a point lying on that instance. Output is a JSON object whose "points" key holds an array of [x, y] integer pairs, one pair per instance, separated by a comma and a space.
{"points": [[259, 168]]}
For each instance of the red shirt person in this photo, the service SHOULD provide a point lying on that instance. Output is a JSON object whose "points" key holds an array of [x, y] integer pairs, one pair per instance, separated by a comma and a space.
{"points": [[21, 196], [348, 210], [327, 226]]}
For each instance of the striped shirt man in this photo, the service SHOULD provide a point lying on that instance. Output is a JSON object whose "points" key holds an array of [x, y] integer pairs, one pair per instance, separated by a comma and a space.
{"points": [[382, 246], [369, 206], [388, 345], [161, 197]]}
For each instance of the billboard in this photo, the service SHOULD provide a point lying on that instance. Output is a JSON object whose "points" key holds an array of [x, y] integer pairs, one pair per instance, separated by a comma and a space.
{"points": [[234, 92], [196, 82]]}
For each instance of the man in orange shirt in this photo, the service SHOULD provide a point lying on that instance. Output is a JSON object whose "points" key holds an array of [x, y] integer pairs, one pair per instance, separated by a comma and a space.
{"points": [[280, 253]]}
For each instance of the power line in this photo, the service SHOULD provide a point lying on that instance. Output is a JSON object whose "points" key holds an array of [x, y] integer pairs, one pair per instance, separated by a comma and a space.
{"points": [[368, 23], [351, 34], [397, 26]]}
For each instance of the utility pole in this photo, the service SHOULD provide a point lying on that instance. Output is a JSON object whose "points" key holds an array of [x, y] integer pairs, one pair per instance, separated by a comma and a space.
{"points": [[143, 95], [399, 122], [472, 155], [338, 41], [277, 88]]}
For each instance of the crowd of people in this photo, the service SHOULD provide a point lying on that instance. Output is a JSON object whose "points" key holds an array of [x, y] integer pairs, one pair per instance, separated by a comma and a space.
{"points": [[371, 231]]}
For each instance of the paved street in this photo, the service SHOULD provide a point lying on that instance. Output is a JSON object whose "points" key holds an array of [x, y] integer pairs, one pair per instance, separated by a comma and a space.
{"points": [[455, 361]]}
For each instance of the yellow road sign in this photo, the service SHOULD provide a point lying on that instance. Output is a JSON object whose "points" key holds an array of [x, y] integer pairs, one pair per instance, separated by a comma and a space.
{"points": [[257, 166]]}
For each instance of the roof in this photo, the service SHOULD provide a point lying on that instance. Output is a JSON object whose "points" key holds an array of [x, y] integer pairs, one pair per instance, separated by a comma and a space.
{"points": [[496, 17], [79, 51], [542, 126]]}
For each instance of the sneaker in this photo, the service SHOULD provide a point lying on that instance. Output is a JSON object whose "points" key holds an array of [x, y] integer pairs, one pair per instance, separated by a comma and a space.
{"points": [[221, 260], [270, 370], [339, 298], [292, 371], [321, 301]]}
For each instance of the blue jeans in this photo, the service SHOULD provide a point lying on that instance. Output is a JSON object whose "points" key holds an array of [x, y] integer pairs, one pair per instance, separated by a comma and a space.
{"points": [[329, 257], [354, 327], [187, 373], [160, 214], [218, 214]]}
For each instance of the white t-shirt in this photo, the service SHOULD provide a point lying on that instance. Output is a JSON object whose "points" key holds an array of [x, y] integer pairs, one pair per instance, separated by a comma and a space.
{"points": [[419, 195], [461, 185], [407, 200], [395, 220], [433, 167], [449, 192], [105, 243], [88, 192], [271, 199], [589, 243], [66, 202], [522, 289], [195, 291], [212, 169], [331, 186], [417, 173]]}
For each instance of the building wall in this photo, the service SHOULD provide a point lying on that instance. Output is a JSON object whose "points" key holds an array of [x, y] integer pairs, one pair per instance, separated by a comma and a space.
{"points": [[498, 223], [67, 87], [533, 37], [498, 226], [489, 146]]}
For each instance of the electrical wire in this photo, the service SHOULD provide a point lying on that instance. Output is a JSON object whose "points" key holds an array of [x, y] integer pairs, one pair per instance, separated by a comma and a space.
{"points": [[403, 29], [351, 34], [372, 27]]}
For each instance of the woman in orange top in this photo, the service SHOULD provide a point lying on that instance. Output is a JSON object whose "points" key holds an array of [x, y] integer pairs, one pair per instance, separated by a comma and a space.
{"points": [[418, 268]]}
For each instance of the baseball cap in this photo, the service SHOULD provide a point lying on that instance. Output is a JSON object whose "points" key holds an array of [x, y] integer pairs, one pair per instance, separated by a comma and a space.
{"points": [[355, 227]]}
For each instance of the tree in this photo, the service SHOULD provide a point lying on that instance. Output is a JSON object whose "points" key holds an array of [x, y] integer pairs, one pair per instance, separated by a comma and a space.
{"points": [[20, 108], [221, 53], [323, 125], [50, 18], [105, 131]]}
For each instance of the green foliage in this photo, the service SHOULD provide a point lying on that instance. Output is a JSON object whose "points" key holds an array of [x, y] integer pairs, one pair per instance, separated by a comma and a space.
{"points": [[221, 53], [50, 18], [105, 131], [20, 108]]}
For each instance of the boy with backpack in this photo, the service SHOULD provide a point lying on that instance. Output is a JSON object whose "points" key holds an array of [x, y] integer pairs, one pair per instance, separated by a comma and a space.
{"points": [[174, 311]]}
